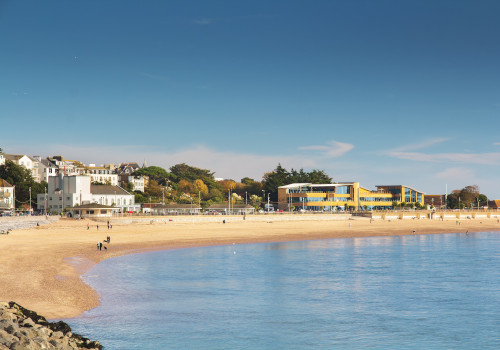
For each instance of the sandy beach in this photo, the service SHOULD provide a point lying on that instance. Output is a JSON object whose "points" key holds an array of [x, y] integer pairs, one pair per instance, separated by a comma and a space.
{"points": [[41, 266]]}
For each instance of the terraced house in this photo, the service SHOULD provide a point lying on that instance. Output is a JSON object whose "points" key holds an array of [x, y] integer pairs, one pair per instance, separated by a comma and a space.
{"points": [[343, 196]]}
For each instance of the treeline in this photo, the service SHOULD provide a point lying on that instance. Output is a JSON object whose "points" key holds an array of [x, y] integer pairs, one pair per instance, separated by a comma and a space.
{"points": [[188, 184]]}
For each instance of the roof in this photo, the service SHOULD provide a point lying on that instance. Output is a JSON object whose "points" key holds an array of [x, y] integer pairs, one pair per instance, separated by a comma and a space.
{"points": [[233, 206], [295, 185], [4, 183], [176, 206], [93, 206], [48, 163], [13, 156], [411, 188], [107, 189]]}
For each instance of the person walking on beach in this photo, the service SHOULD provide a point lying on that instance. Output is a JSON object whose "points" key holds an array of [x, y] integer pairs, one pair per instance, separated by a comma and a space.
{"points": [[97, 245], [100, 245], [97, 227], [88, 226]]}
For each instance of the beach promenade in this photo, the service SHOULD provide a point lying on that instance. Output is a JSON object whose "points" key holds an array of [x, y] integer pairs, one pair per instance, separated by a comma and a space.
{"points": [[42, 265]]}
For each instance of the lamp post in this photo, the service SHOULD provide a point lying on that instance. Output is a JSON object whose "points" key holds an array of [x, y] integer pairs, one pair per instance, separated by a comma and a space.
{"points": [[30, 199], [263, 196]]}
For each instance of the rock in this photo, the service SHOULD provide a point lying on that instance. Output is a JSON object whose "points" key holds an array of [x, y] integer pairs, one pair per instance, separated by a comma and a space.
{"points": [[7, 339], [23, 329]]}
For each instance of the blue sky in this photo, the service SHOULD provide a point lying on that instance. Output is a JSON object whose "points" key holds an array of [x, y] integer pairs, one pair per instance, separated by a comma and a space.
{"points": [[380, 92]]}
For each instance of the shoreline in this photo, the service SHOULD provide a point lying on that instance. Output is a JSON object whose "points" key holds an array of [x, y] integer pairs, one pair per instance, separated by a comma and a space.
{"points": [[43, 265]]}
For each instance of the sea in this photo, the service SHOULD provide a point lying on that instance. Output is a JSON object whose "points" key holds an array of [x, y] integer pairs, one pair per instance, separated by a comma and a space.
{"points": [[401, 292]]}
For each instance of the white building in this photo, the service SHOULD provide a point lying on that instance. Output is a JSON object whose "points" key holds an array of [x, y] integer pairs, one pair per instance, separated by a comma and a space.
{"points": [[63, 192], [46, 169], [70, 191], [25, 161], [67, 167], [114, 196], [138, 182], [102, 174], [7, 196]]}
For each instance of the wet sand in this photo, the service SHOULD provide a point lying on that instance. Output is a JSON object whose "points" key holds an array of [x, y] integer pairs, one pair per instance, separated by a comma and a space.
{"points": [[41, 266]]}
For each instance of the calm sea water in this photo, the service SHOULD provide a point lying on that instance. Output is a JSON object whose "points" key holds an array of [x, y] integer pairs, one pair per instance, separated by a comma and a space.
{"points": [[412, 292]]}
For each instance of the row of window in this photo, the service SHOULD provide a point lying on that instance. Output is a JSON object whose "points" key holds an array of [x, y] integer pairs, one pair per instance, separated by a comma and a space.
{"points": [[337, 190], [101, 201]]}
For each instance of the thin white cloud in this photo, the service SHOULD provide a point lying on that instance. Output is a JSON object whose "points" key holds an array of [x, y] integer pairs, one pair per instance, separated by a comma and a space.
{"points": [[470, 158], [496, 143], [333, 149], [457, 173], [423, 144], [225, 164]]}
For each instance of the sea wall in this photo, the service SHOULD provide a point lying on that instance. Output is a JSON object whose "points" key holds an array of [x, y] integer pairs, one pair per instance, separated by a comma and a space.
{"points": [[23, 329], [219, 218]]}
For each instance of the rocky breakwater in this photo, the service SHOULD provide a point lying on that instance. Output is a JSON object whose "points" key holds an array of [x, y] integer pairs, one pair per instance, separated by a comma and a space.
{"points": [[24, 329], [10, 223]]}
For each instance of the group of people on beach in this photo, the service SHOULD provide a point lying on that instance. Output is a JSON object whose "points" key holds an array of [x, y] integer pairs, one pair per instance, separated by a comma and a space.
{"points": [[100, 245], [110, 226]]}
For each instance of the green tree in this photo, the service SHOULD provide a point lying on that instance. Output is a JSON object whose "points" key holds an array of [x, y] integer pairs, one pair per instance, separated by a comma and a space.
{"points": [[21, 178], [158, 174], [278, 177], [469, 195], [185, 172]]}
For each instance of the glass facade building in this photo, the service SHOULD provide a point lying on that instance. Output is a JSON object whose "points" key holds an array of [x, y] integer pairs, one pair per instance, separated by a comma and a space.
{"points": [[344, 196]]}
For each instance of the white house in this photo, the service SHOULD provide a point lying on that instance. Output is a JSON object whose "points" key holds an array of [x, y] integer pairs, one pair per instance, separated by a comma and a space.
{"points": [[7, 196], [25, 161], [67, 167], [114, 196], [46, 169], [71, 191], [138, 182], [102, 174]]}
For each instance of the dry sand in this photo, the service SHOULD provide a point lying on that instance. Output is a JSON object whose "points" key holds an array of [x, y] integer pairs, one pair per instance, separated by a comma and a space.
{"points": [[41, 266]]}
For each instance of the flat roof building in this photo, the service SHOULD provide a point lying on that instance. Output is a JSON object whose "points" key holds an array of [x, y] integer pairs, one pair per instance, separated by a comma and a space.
{"points": [[343, 196]]}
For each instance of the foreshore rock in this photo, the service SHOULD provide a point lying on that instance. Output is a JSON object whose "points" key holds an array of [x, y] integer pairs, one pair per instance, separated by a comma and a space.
{"points": [[24, 329]]}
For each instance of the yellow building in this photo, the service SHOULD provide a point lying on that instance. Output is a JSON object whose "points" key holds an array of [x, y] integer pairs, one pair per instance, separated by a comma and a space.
{"points": [[343, 196]]}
